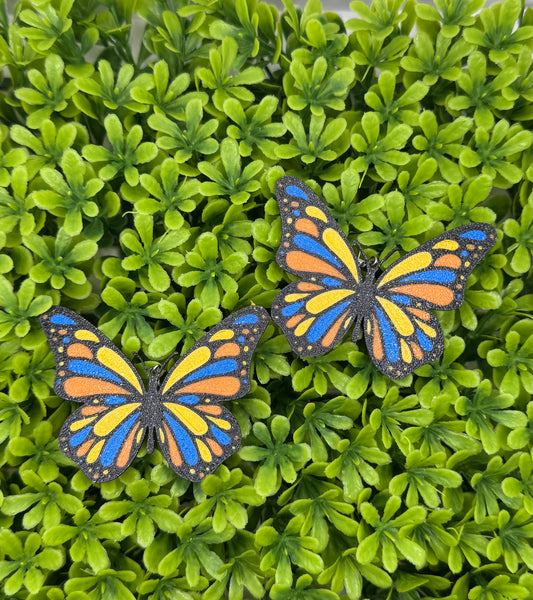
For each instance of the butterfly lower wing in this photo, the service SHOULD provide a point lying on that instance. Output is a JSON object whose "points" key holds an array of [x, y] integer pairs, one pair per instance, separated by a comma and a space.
{"points": [[88, 365], [196, 437], [400, 340], [103, 439], [434, 275], [313, 317], [312, 245], [197, 434]]}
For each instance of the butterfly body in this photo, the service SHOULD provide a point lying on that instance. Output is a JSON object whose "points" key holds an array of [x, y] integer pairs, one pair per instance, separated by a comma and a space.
{"points": [[333, 295], [364, 295], [151, 412], [182, 412]]}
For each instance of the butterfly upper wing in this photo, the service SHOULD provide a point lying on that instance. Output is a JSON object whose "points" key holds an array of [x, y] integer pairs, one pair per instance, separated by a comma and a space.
{"points": [[401, 333], [103, 436], [313, 245], [88, 365], [434, 275], [196, 432], [314, 313]]}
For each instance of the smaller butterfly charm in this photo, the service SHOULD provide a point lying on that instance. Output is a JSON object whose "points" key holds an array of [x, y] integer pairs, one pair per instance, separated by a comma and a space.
{"points": [[316, 312], [183, 412]]}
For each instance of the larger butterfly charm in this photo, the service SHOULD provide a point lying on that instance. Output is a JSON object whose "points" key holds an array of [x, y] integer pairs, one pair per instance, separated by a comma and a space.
{"points": [[400, 332], [183, 412]]}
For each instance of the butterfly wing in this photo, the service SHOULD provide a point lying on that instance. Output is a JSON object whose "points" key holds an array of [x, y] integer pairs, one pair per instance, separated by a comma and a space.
{"points": [[103, 439], [401, 333], [105, 434], [314, 313], [88, 365], [313, 245], [196, 432], [313, 317]]}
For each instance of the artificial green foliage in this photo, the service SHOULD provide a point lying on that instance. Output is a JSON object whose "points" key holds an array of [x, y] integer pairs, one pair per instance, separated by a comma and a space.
{"points": [[140, 144]]}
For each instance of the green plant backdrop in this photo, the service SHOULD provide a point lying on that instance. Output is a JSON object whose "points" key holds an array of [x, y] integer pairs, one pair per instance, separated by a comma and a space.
{"points": [[140, 142]]}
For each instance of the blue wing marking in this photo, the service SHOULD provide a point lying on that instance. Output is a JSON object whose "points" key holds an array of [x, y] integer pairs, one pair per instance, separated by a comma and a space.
{"points": [[246, 320], [114, 400], [319, 328], [475, 234], [115, 441], [220, 436], [61, 320], [183, 439], [443, 276], [188, 399], [82, 367], [331, 282], [423, 340], [217, 368], [79, 437], [389, 338], [401, 299], [306, 243], [291, 309], [296, 191]]}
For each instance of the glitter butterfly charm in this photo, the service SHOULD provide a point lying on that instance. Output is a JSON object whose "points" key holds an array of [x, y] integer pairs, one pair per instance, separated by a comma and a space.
{"points": [[195, 433], [316, 312]]}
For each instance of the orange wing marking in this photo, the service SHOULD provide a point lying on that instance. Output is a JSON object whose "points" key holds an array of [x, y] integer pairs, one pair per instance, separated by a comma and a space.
{"points": [[85, 386], [220, 386], [229, 349], [438, 294], [448, 260], [79, 350], [332, 333], [377, 345], [300, 261], [122, 458], [175, 455], [306, 226]]}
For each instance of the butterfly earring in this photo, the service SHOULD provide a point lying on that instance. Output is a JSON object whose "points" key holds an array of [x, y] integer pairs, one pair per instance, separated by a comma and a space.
{"points": [[316, 312], [195, 433]]}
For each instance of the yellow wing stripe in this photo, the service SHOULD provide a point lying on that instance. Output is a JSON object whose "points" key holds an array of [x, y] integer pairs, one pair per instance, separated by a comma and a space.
{"points": [[341, 249], [204, 451], [109, 358], [418, 261], [426, 328], [95, 452], [139, 435], [315, 212], [295, 297], [399, 319], [406, 353], [194, 422], [113, 418], [303, 326], [193, 361], [223, 424], [77, 425], [83, 334], [323, 301], [223, 334], [446, 245]]}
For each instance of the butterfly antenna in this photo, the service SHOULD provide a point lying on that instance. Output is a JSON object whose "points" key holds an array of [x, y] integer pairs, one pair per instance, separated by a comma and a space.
{"points": [[173, 355], [393, 251], [142, 362], [356, 243]]}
